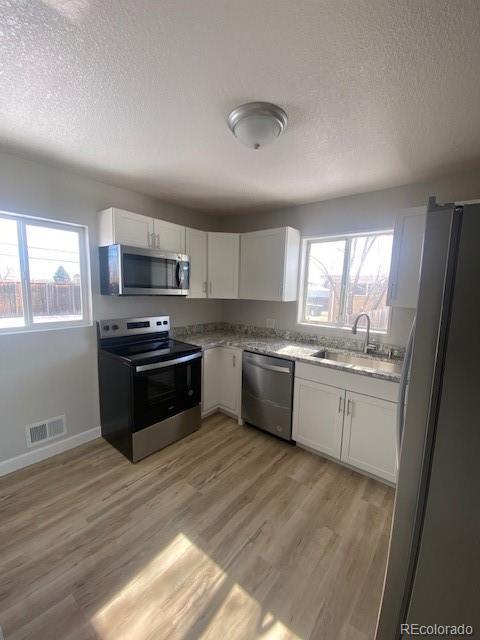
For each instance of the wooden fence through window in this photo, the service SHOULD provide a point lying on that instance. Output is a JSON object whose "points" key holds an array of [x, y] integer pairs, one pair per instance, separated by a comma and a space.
{"points": [[48, 299]]}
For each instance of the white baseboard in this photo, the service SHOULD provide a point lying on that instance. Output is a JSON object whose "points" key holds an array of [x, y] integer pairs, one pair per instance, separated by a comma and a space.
{"points": [[219, 408], [42, 453], [345, 464]]}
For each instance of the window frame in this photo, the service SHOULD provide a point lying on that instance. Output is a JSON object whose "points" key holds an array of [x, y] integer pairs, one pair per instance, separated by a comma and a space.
{"points": [[22, 220], [307, 242]]}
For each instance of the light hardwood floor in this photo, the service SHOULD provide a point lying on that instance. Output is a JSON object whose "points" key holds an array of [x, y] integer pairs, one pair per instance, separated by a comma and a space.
{"points": [[229, 534]]}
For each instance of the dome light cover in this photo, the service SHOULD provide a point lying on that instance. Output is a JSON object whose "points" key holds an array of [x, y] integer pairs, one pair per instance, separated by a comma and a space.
{"points": [[256, 124]]}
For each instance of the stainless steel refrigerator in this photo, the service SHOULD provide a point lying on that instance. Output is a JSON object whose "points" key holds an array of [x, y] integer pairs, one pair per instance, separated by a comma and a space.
{"points": [[433, 571]]}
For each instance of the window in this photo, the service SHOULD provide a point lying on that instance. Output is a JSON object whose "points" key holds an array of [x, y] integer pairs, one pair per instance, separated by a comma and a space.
{"points": [[345, 276], [43, 274]]}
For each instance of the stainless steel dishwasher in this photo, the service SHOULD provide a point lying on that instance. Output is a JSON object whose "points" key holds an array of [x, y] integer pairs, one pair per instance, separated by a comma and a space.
{"points": [[267, 393]]}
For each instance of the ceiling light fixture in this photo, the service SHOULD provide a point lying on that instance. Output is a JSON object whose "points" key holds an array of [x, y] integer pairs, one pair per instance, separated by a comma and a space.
{"points": [[256, 124]]}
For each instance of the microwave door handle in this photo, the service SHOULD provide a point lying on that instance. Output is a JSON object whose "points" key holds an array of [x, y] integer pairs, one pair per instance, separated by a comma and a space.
{"points": [[179, 275], [182, 275]]}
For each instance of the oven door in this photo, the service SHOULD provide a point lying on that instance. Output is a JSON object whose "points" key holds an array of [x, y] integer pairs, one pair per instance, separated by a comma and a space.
{"points": [[149, 272], [163, 389]]}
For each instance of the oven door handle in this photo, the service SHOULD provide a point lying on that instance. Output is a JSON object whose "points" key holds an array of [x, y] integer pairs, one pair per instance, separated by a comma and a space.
{"points": [[167, 363]]}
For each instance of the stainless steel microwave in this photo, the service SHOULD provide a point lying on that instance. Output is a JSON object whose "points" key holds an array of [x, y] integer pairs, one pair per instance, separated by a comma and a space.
{"points": [[131, 271]]}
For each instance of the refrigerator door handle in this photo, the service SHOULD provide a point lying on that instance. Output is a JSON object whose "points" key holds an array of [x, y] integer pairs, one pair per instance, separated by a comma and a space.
{"points": [[402, 392]]}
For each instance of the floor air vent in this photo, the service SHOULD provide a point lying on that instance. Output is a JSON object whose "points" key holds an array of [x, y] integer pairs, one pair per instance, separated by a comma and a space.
{"points": [[45, 431]]}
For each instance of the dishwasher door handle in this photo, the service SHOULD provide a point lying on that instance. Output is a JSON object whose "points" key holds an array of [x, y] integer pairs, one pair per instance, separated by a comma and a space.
{"points": [[268, 367]]}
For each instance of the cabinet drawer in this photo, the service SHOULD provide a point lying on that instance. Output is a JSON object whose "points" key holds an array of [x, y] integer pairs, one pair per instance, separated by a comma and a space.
{"points": [[383, 389]]}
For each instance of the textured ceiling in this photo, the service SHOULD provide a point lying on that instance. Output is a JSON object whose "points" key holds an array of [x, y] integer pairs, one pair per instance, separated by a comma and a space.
{"points": [[378, 92]]}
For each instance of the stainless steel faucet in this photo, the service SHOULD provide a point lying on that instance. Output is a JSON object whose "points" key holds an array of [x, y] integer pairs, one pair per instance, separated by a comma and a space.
{"points": [[367, 345]]}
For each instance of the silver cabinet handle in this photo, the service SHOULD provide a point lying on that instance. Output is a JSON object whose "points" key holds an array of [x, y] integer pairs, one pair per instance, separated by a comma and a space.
{"points": [[349, 403], [339, 404], [210, 287], [150, 239], [393, 289], [157, 235], [204, 286], [234, 360]]}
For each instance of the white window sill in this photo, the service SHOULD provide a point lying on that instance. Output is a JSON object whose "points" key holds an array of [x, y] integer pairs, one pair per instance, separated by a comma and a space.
{"points": [[47, 326]]}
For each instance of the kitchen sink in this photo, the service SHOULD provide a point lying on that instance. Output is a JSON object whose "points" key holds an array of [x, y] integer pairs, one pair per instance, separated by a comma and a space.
{"points": [[389, 366]]}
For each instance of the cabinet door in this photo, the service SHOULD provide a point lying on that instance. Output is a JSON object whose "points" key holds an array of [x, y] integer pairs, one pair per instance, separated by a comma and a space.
{"points": [[230, 372], [318, 416], [210, 379], [406, 257], [262, 265], [132, 229], [196, 249], [169, 236], [223, 258], [369, 435], [269, 264]]}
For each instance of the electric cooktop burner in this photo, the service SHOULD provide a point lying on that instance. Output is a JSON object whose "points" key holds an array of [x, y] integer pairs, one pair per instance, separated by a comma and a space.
{"points": [[151, 350]]}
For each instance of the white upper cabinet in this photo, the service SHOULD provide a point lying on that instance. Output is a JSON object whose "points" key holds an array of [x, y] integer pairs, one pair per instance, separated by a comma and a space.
{"points": [[169, 236], [196, 249], [269, 264], [223, 256], [406, 258], [117, 226]]}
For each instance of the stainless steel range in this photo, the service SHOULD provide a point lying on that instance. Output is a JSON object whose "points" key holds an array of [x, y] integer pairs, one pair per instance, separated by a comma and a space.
{"points": [[150, 385]]}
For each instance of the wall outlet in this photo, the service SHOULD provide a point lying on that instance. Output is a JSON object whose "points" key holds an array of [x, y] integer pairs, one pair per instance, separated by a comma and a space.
{"points": [[270, 323]]}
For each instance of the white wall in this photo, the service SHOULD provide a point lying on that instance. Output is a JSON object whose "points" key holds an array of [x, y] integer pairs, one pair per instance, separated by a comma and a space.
{"points": [[46, 374], [364, 212], [49, 373]]}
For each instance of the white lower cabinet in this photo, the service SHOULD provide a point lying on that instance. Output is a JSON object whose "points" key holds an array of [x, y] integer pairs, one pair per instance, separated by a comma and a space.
{"points": [[318, 416], [355, 428], [210, 379], [369, 435], [222, 380]]}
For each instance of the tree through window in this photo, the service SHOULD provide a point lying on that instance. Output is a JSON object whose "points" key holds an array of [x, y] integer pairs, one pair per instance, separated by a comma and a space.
{"points": [[345, 276]]}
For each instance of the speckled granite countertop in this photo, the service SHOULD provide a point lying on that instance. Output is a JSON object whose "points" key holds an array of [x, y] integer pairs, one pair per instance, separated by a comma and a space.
{"points": [[297, 351]]}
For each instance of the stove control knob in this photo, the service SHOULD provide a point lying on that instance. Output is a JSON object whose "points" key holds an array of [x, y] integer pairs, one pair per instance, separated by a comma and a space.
{"points": [[114, 327], [106, 327]]}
